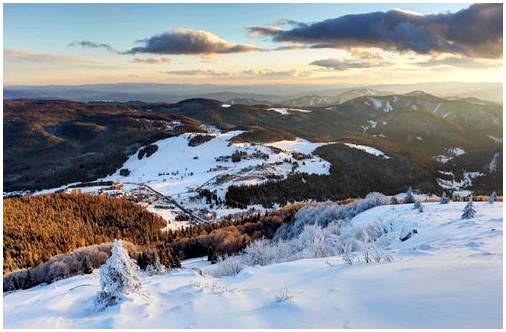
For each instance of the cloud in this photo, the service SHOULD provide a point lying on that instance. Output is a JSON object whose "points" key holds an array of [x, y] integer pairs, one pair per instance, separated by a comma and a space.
{"points": [[474, 32], [276, 73], [90, 44], [25, 56], [191, 72], [262, 31], [242, 73], [188, 41], [339, 64], [288, 47], [151, 61], [460, 62]]}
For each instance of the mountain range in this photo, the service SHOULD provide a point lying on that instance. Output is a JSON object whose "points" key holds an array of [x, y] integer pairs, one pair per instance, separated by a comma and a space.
{"points": [[434, 143]]}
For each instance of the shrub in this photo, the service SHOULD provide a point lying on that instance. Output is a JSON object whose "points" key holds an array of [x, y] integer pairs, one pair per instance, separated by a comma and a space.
{"points": [[322, 214], [226, 267]]}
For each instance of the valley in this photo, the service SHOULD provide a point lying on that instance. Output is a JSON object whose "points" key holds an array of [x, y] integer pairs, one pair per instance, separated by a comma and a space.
{"points": [[218, 159]]}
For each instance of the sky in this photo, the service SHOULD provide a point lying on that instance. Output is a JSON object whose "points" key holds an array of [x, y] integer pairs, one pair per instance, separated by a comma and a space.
{"points": [[251, 43]]}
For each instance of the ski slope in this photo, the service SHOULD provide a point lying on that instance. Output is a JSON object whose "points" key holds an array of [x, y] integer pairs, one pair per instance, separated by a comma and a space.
{"points": [[448, 275]]}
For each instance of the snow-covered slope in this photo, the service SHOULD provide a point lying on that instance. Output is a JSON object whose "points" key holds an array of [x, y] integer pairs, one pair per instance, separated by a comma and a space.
{"points": [[181, 170], [448, 275]]}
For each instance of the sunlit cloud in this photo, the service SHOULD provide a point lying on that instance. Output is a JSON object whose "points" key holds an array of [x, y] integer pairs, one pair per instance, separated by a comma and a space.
{"points": [[151, 61], [26, 56], [188, 41]]}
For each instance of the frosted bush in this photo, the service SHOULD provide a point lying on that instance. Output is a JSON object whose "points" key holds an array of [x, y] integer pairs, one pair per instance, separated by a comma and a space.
{"points": [[226, 267], [118, 277], [261, 252], [322, 214], [319, 230]]}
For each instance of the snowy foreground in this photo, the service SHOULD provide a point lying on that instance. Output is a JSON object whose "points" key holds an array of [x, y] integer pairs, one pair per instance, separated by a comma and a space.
{"points": [[448, 275]]}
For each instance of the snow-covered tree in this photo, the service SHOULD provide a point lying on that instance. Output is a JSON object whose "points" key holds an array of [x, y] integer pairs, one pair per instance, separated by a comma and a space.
{"points": [[409, 197], [469, 211], [155, 268], [444, 199], [118, 276], [492, 198]]}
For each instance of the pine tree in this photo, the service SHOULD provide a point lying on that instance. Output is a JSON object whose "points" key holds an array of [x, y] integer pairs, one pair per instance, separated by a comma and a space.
{"points": [[118, 276], [145, 259], [469, 211], [444, 198], [212, 256], [168, 258], [155, 268], [492, 198], [409, 197], [28, 282], [86, 265]]}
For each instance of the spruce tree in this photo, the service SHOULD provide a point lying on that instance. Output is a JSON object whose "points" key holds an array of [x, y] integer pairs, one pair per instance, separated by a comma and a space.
{"points": [[28, 282], [118, 277], [86, 265], [409, 197], [492, 198], [212, 256], [469, 211], [444, 198]]}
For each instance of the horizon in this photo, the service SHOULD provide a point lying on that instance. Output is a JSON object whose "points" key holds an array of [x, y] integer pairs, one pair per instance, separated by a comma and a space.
{"points": [[258, 44]]}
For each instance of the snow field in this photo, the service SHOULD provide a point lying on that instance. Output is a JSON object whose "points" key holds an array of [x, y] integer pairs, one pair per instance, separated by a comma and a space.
{"points": [[448, 275]]}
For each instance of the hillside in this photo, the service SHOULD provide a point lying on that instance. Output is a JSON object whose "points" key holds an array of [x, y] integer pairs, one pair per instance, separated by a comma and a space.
{"points": [[228, 156], [450, 270], [39, 227], [50, 143]]}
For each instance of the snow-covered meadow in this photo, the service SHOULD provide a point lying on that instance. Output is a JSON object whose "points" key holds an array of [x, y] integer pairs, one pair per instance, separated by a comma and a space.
{"points": [[446, 275]]}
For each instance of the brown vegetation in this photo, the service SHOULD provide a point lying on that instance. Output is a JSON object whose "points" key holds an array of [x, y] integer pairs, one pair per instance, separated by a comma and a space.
{"points": [[40, 231], [39, 227]]}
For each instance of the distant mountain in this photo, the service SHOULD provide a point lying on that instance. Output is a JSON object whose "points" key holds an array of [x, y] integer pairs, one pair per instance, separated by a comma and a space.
{"points": [[50, 143], [257, 94], [122, 92], [322, 101]]}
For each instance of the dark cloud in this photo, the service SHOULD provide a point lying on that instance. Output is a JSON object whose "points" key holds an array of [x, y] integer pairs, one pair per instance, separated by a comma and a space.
{"points": [[187, 41], [151, 61], [90, 44], [338, 64], [475, 31]]}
